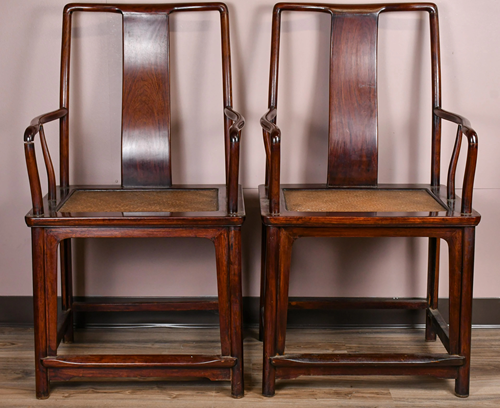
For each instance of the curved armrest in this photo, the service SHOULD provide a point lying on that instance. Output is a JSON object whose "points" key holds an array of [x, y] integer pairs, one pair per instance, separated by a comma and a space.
{"points": [[452, 117], [238, 122], [464, 128], [267, 123], [36, 126], [234, 158], [272, 143]]}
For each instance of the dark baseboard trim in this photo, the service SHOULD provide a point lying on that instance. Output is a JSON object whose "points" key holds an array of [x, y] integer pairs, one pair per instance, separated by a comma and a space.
{"points": [[18, 311]]}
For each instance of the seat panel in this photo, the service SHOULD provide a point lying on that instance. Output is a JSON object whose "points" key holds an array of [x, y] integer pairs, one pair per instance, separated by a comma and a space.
{"points": [[102, 201], [360, 200]]}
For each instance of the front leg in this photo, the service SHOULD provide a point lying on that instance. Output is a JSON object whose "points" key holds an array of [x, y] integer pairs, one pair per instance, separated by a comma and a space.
{"points": [[465, 334], [39, 311], [270, 322], [237, 380]]}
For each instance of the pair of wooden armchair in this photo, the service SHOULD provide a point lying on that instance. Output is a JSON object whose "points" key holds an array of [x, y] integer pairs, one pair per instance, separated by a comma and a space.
{"points": [[350, 204]]}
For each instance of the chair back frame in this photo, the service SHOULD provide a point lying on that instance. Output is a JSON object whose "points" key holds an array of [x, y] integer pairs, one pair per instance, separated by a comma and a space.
{"points": [[146, 113], [352, 131], [145, 103]]}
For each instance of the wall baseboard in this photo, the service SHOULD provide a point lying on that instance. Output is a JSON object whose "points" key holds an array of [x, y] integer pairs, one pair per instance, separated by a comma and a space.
{"points": [[18, 311]]}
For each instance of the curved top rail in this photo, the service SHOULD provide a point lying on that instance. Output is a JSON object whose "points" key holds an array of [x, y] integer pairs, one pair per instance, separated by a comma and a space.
{"points": [[360, 8], [144, 8]]}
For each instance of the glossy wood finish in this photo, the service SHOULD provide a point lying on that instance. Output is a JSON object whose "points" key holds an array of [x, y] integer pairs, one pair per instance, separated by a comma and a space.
{"points": [[146, 101], [353, 101], [146, 158], [352, 165]]}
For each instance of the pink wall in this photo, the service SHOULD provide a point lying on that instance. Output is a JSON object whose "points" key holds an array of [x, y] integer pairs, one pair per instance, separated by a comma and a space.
{"points": [[30, 47]]}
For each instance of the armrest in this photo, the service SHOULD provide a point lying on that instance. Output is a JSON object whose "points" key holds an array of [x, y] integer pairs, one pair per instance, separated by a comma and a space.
{"points": [[464, 128], [238, 122], [268, 122], [36, 126], [272, 143], [452, 117], [234, 158]]}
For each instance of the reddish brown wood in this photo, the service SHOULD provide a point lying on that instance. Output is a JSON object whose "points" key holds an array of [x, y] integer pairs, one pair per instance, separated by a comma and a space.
{"points": [[51, 244], [436, 371], [263, 263], [436, 95], [214, 367], [145, 306], [145, 163], [221, 258], [270, 303], [439, 327], [455, 271], [453, 165], [212, 218], [271, 132], [234, 158], [463, 380], [67, 286], [450, 217], [237, 384], [432, 285], [150, 360], [146, 101], [64, 97], [352, 163], [51, 176], [465, 129], [39, 312], [380, 360], [353, 101], [211, 373], [274, 186], [284, 261], [34, 179], [356, 303], [63, 321]]}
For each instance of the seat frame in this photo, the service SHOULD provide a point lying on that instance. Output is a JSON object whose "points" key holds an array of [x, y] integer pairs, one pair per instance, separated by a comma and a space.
{"points": [[281, 227], [52, 229]]}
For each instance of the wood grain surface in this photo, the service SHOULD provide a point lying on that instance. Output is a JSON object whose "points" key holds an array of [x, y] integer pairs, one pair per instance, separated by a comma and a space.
{"points": [[17, 382]]}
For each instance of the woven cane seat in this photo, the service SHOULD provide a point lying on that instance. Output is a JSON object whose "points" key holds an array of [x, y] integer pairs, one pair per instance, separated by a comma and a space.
{"points": [[362, 200], [196, 200]]}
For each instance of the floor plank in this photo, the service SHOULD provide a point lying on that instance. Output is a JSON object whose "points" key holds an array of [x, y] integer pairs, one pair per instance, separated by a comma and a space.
{"points": [[17, 371]]}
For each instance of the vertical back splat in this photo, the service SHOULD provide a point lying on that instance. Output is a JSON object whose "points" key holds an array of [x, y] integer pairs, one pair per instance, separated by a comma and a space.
{"points": [[352, 148], [146, 101]]}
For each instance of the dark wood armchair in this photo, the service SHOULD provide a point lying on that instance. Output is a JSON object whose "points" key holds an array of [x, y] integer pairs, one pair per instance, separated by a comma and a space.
{"points": [[146, 205], [353, 204]]}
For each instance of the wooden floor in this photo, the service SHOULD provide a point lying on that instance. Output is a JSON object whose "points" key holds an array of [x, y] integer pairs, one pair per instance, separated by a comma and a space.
{"points": [[17, 373]]}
